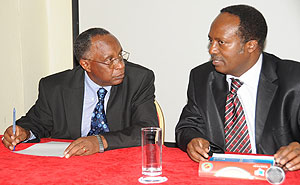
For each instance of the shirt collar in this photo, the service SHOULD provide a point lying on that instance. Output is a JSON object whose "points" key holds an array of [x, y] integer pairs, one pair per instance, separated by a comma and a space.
{"points": [[251, 76], [92, 85]]}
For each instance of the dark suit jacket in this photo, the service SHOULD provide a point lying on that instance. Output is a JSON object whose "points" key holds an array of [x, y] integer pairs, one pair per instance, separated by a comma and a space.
{"points": [[277, 117], [58, 111]]}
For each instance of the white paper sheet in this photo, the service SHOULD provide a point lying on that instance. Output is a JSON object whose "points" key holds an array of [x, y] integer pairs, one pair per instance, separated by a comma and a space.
{"points": [[52, 148]]}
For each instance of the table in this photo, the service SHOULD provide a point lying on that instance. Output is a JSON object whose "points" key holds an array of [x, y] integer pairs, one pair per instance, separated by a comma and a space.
{"points": [[121, 166]]}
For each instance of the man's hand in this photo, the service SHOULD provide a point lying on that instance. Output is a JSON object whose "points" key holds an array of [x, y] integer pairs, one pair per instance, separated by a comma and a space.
{"points": [[84, 146], [10, 140], [288, 157], [198, 149]]}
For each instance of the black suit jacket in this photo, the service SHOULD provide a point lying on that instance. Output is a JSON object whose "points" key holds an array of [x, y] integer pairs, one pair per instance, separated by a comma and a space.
{"points": [[277, 117], [57, 112]]}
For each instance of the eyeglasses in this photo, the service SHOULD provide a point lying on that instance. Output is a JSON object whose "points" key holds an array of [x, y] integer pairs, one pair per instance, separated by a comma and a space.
{"points": [[123, 56]]}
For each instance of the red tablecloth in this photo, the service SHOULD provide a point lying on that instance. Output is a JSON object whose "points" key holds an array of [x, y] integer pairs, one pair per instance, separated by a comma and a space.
{"points": [[122, 166]]}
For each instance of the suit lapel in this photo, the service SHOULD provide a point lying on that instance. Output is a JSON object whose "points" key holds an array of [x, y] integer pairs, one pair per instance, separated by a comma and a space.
{"points": [[219, 89], [73, 101], [115, 104], [110, 112], [265, 95]]}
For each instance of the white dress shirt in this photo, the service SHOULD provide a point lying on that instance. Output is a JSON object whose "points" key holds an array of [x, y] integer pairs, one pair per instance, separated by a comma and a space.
{"points": [[247, 95]]}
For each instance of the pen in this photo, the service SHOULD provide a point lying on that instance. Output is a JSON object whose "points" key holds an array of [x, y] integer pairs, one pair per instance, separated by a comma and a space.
{"points": [[14, 124]]}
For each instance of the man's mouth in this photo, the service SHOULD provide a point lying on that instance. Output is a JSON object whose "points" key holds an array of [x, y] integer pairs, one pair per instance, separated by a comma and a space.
{"points": [[120, 76], [216, 60]]}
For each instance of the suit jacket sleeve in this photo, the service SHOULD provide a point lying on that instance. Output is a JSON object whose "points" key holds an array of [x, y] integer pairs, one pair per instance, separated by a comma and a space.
{"points": [[38, 119], [57, 111], [138, 110], [191, 123]]}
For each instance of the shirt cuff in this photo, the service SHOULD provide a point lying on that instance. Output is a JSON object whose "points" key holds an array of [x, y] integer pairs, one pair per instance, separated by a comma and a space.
{"points": [[32, 136]]}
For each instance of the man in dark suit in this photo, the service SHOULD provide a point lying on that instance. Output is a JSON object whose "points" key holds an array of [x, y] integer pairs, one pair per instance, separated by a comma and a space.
{"points": [[269, 95], [67, 100]]}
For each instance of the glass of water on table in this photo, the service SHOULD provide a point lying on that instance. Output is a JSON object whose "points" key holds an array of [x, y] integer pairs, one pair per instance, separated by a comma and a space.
{"points": [[152, 156]]}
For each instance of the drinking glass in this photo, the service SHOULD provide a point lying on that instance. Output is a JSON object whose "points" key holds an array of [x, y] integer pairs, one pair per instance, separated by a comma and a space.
{"points": [[152, 155]]}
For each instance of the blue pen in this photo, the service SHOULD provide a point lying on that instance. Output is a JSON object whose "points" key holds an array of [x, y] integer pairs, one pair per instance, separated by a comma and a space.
{"points": [[14, 124]]}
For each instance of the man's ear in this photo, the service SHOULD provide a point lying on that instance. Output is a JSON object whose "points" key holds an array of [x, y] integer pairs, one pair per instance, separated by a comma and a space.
{"points": [[251, 45], [85, 65]]}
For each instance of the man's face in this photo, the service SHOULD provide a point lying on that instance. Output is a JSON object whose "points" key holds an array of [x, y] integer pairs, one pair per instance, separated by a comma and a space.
{"points": [[227, 50], [104, 48]]}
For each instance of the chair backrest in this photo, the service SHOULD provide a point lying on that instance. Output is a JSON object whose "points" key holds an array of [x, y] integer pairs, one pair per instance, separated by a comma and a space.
{"points": [[161, 119]]}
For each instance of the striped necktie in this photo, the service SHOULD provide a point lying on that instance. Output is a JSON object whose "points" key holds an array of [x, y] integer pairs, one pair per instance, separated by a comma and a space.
{"points": [[236, 131]]}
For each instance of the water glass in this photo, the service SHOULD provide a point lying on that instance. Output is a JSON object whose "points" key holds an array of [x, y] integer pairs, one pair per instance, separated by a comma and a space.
{"points": [[152, 155]]}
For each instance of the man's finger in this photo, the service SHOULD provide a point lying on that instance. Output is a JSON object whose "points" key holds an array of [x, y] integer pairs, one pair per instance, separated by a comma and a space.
{"points": [[194, 156], [72, 151], [287, 158], [202, 147], [197, 149], [74, 143], [20, 135], [293, 160], [287, 153], [6, 143], [281, 153], [7, 139], [294, 167], [201, 150], [73, 148]]}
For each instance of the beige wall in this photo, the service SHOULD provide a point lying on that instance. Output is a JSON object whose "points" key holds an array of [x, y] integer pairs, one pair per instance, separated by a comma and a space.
{"points": [[36, 40]]}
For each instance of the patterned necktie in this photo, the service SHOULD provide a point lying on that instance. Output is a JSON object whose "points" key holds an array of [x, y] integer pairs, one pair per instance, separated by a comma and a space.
{"points": [[236, 131], [99, 122]]}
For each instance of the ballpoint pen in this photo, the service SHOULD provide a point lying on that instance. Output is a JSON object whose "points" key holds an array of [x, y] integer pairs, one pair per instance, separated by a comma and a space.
{"points": [[14, 124]]}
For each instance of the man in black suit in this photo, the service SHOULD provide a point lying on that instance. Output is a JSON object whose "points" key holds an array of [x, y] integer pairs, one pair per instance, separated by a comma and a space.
{"points": [[270, 94], [67, 100]]}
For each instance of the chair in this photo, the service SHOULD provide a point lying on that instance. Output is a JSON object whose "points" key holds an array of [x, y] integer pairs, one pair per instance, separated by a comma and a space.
{"points": [[161, 120]]}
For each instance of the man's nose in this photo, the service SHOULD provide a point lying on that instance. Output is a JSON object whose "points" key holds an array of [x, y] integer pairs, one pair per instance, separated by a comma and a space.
{"points": [[213, 48], [119, 64]]}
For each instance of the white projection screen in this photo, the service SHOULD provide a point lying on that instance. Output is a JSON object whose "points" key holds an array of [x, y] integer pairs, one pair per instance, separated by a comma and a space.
{"points": [[170, 37]]}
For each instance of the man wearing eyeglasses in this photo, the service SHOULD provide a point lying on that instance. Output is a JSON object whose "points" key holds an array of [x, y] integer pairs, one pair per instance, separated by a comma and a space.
{"points": [[101, 104]]}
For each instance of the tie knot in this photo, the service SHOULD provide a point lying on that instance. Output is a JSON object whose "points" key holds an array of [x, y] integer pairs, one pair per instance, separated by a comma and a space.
{"points": [[235, 85], [101, 93]]}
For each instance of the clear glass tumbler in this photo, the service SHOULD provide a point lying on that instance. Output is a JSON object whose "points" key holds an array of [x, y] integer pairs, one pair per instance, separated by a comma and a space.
{"points": [[152, 155]]}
